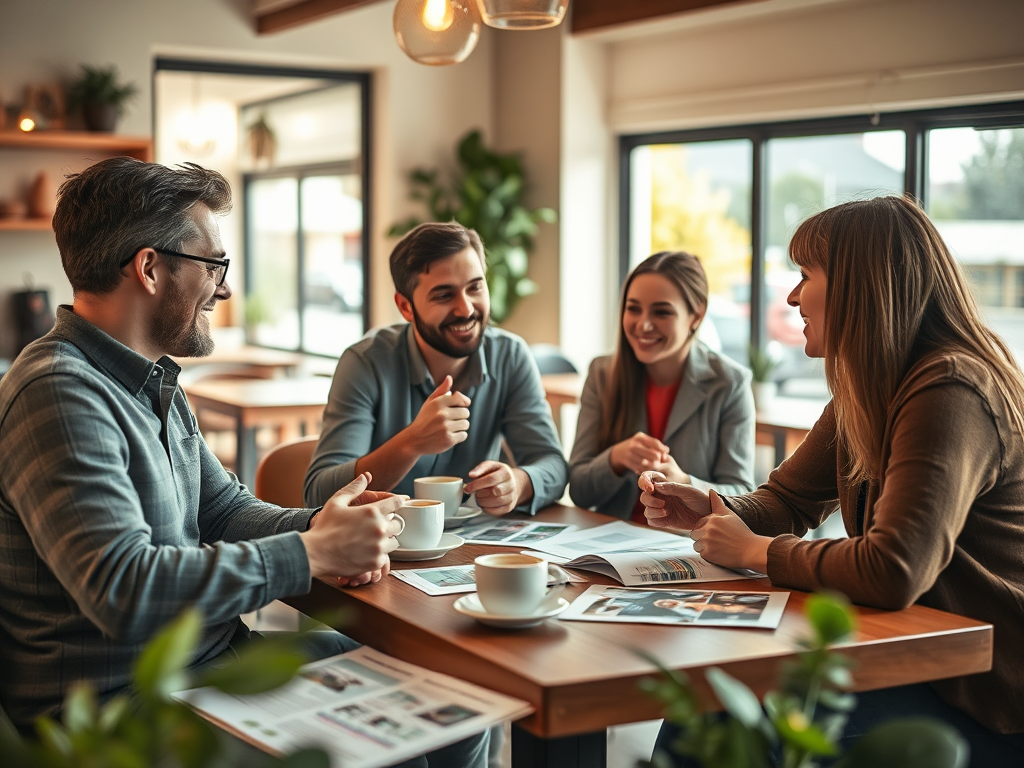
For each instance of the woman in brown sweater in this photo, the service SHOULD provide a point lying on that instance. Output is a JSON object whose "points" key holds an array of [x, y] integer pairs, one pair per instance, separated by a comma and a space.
{"points": [[921, 448]]}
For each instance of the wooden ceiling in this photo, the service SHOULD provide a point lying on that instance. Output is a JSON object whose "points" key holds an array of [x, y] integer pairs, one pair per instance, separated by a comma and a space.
{"points": [[586, 15]]}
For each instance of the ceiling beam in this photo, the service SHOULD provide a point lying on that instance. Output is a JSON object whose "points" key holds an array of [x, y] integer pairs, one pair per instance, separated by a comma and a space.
{"points": [[588, 15], [303, 12]]}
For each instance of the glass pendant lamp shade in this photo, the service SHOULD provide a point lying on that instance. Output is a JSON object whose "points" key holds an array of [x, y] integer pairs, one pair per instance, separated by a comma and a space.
{"points": [[437, 32], [522, 14]]}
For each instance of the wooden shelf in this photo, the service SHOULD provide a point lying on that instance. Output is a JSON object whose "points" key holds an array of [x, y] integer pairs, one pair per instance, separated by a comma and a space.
{"points": [[140, 147], [13, 225]]}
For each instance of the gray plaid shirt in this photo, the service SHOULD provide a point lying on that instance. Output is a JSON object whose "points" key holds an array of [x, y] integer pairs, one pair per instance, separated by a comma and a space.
{"points": [[114, 516]]}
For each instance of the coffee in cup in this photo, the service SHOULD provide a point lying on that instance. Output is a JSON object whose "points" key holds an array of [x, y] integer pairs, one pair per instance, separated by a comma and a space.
{"points": [[424, 523], [512, 584], [447, 489]]}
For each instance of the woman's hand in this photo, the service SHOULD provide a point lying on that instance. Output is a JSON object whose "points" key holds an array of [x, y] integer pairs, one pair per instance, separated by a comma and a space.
{"points": [[671, 471], [671, 505], [724, 539], [637, 454]]}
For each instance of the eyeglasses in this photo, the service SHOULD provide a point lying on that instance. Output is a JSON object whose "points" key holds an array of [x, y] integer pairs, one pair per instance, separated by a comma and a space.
{"points": [[219, 273]]}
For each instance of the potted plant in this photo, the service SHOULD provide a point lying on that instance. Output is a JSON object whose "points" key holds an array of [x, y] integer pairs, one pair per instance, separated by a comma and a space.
{"points": [[800, 723], [485, 193], [101, 97], [762, 363]]}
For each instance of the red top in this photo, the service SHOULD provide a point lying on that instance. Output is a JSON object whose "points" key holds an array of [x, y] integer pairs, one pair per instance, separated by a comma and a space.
{"points": [[659, 402]]}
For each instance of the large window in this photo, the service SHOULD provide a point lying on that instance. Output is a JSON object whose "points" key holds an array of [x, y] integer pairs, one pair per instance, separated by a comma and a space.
{"points": [[734, 196]]}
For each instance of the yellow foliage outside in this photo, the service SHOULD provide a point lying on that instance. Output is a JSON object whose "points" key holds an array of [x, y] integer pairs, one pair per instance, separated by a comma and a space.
{"points": [[688, 215]]}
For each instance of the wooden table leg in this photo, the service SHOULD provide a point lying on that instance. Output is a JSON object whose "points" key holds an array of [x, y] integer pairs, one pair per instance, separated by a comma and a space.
{"points": [[588, 750]]}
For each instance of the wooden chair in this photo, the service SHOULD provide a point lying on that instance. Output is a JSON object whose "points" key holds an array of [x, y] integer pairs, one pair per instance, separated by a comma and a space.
{"points": [[281, 472]]}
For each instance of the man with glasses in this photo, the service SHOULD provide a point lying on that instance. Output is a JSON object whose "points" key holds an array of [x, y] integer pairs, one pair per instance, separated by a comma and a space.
{"points": [[114, 514]]}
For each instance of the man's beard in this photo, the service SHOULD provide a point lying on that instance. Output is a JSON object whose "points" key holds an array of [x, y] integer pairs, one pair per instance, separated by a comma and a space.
{"points": [[178, 330], [437, 339]]}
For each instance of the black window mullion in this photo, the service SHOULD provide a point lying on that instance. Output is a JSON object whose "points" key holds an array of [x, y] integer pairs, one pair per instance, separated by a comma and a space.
{"points": [[300, 254], [758, 209], [914, 174]]}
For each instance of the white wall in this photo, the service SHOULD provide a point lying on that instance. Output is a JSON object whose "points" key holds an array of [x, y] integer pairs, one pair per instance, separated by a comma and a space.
{"points": [[419, 112]]}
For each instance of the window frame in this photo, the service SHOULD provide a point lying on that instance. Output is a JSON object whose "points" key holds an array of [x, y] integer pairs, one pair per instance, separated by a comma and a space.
{"points": [[915, 125], [361, 164]]}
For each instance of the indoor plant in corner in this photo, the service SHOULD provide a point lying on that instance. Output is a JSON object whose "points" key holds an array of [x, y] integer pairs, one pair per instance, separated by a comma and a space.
{"points": [[485, 193], [101, 97]]}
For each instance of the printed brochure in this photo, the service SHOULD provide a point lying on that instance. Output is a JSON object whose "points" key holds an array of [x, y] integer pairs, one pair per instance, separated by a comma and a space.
{"points": [[365, 709], [512, 533], [694, 607], [634, 556]]}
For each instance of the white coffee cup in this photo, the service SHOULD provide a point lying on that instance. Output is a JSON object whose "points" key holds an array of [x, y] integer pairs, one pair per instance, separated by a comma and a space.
{"points": [[513, 584], [424, 523], [447, 489]]}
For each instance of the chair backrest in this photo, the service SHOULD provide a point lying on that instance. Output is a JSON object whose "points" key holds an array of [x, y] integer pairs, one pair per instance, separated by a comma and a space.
{"points": [[550, 359], [280, 474]]}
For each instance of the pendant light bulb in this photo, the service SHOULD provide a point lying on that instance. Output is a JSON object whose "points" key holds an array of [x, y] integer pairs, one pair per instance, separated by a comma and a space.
{"points": [[437, 15], [437, 32]]}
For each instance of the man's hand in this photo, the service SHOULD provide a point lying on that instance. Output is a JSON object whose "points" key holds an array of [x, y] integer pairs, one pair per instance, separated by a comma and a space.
{"points": [[354, 532], [671, 505], [724, 539], [498, 487], [638, 453], [442, 422]]}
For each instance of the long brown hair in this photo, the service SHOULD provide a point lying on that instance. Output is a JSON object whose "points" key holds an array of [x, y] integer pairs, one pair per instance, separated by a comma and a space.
{"points": [[628, 375], [894, 294]]}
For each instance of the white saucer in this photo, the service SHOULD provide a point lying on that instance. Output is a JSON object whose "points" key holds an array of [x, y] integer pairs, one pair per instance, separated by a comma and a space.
{"points": [[469, 605], [465, 513], [448, 542]]}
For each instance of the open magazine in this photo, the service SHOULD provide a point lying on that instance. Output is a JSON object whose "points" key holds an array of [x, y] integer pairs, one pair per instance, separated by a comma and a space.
{"points": [[696, 607], [511, 533], [634, 556], [365, 709]]}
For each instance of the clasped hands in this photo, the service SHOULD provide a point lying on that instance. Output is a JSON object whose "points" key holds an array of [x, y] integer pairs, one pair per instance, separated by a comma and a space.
{"points": [[643, 453], [719, 534]]}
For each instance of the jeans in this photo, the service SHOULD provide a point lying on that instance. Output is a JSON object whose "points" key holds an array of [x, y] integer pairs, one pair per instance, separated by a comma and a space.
{"points": [[988, 749]]}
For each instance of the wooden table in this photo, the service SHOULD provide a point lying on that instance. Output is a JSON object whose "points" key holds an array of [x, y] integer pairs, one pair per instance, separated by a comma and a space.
{"points": [[259, 402], [582, 677], [785, 424], [257, 362]]}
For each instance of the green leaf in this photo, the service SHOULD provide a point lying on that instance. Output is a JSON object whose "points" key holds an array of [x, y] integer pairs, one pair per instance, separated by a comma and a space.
{"points": [[80, 709], [261, 666], [831, 617], [159, 670], [53, 737], [795, 729], [112, 713], [738, 700], [909, 743]]}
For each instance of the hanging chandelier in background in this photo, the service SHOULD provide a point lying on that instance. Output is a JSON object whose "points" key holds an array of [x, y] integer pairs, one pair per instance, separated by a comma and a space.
{"points": [[437, 32], [522, 14], [441, 32]]}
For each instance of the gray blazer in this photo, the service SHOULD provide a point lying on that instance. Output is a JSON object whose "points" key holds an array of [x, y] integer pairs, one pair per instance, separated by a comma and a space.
{"points": [[710, 434]]}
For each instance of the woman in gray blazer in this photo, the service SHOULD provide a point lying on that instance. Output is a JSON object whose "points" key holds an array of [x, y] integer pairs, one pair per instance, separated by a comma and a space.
{"points": [[663, 401]]}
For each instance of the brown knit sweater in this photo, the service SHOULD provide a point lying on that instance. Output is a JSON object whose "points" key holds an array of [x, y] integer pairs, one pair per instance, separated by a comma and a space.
{"points": [[942, 526]]}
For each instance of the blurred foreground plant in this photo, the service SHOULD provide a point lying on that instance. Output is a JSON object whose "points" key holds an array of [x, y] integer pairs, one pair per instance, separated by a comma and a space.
{"points": [[148, 728], [803, 720]]}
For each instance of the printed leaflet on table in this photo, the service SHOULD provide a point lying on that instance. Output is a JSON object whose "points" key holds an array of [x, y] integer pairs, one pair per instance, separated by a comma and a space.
{"points": [[365, 709], [694, 607]]}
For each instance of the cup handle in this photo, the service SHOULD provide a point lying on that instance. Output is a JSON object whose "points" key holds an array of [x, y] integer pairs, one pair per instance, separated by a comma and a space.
{"points": [[396, 516], [560, 577]]}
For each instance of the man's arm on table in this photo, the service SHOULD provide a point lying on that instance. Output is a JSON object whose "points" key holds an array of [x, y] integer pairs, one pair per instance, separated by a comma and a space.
{"points": [[69, 459]]}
